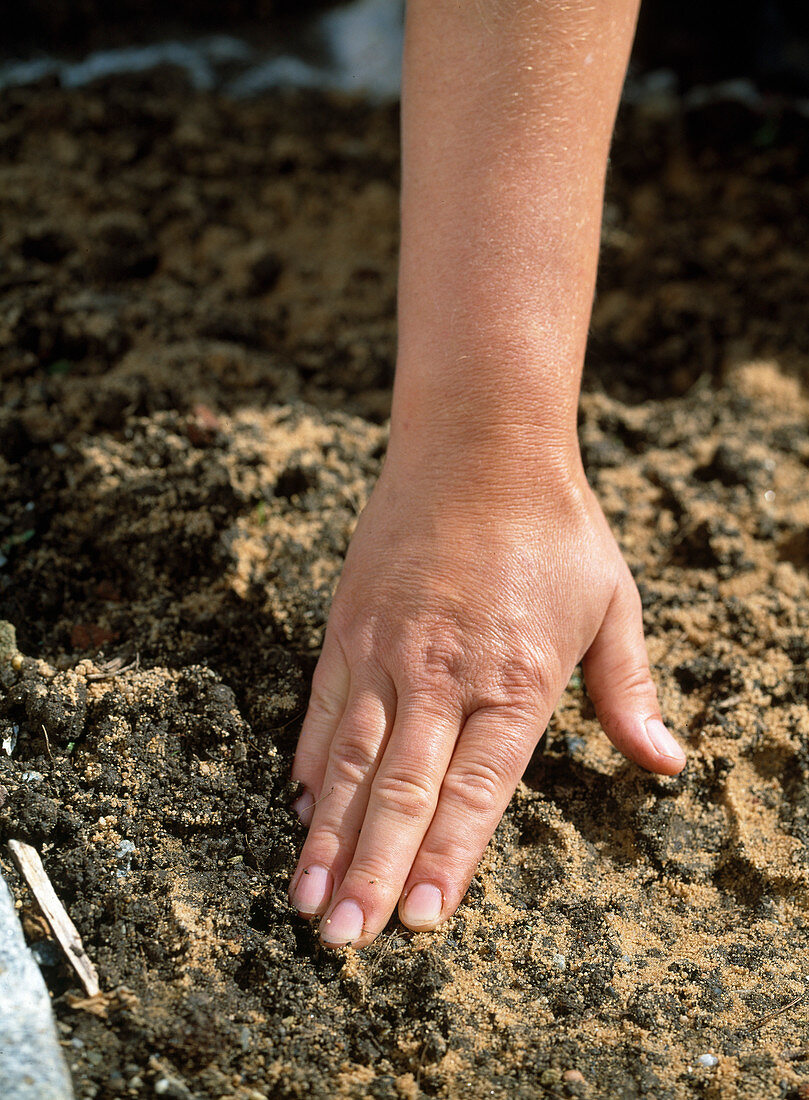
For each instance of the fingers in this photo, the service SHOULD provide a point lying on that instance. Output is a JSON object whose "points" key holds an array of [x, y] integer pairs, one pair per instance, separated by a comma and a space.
{"points": [[330, 687], [357, 746], [491, 755], [616, 670], [401, 802]]}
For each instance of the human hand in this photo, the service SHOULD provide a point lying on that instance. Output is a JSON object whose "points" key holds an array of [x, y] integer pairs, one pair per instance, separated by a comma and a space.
{"points": [[457, 623]]}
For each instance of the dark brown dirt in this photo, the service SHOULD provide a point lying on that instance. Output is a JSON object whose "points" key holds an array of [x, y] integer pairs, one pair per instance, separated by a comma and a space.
{"points": [[196, 346], [80, 25]]}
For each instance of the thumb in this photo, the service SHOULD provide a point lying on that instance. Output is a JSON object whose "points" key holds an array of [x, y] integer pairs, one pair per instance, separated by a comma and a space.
{"points": [[616, 671]]}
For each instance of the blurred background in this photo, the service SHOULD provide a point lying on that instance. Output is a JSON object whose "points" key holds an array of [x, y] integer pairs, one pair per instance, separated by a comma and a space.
{"points": [[764, 40]]}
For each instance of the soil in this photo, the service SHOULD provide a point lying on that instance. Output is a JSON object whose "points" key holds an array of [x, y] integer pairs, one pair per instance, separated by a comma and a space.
{"points": [[81, 25], [197, 335]]}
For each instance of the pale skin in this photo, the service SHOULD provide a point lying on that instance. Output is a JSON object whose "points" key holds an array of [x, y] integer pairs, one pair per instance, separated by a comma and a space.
{"points": [[482, 570]]}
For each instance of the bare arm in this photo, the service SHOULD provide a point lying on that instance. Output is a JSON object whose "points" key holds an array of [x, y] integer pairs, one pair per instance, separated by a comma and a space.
{"points": [[507, 114], [482, 569]]}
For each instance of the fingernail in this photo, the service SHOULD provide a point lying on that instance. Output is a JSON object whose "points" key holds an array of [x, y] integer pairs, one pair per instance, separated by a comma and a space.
{"points": [[344, 925], [312, 890], [663, 741], [423, 904], [303, 807]]}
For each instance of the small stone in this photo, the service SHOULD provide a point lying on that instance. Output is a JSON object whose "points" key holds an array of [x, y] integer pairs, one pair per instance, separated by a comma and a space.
{"points": [[202, 426], [123, 854], [708, 1060], [11, 733], [575, 744], [8, 641], [572, 1076], [559, 961]]}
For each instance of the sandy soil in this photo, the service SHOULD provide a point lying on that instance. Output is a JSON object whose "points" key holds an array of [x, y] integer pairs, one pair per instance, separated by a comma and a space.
{"points": [[196, 346]]}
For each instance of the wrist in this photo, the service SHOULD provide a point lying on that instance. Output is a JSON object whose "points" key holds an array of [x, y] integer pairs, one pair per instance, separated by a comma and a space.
{"points": [[506, 402], [482, 464]]}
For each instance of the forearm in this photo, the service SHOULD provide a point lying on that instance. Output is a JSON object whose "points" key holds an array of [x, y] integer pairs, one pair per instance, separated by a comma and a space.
{"points": [[507, 114]]}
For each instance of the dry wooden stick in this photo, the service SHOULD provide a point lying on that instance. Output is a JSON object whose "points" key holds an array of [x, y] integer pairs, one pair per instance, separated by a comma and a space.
{"points": [[30, 867], [778, 1012]]}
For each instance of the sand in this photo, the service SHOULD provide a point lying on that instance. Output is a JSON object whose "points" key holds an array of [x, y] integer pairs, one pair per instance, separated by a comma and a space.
{"points": [[197, 334]]}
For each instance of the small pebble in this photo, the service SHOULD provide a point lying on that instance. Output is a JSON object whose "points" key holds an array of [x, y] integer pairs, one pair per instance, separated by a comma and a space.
{"points": [[10, 743], [47, 954], [573, 1076], [575, 744], [559, 961], [708, 1060], [123, 854]]}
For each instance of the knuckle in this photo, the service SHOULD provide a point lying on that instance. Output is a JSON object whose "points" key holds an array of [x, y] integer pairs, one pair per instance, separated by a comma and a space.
{"points": [[359, 633], [521, 673], [324, 845], [406, 796], [323, 704], [520, 678], [636, 681], [444, 657], [476, 788], [353, 757], [520, 691], [433, 660]]}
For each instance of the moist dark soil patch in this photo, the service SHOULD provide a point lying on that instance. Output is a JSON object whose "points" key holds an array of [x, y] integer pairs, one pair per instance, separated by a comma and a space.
{"points": [[196, 346]]}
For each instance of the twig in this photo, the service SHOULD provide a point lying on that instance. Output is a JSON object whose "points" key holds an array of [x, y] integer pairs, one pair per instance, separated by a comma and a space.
{"points": [[47, 741], [421, 1064], [289, 721], [778, 1011], [30, 867], [274, 729], [112, 668], [730, 701], [322, 797], [379, 957]]}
